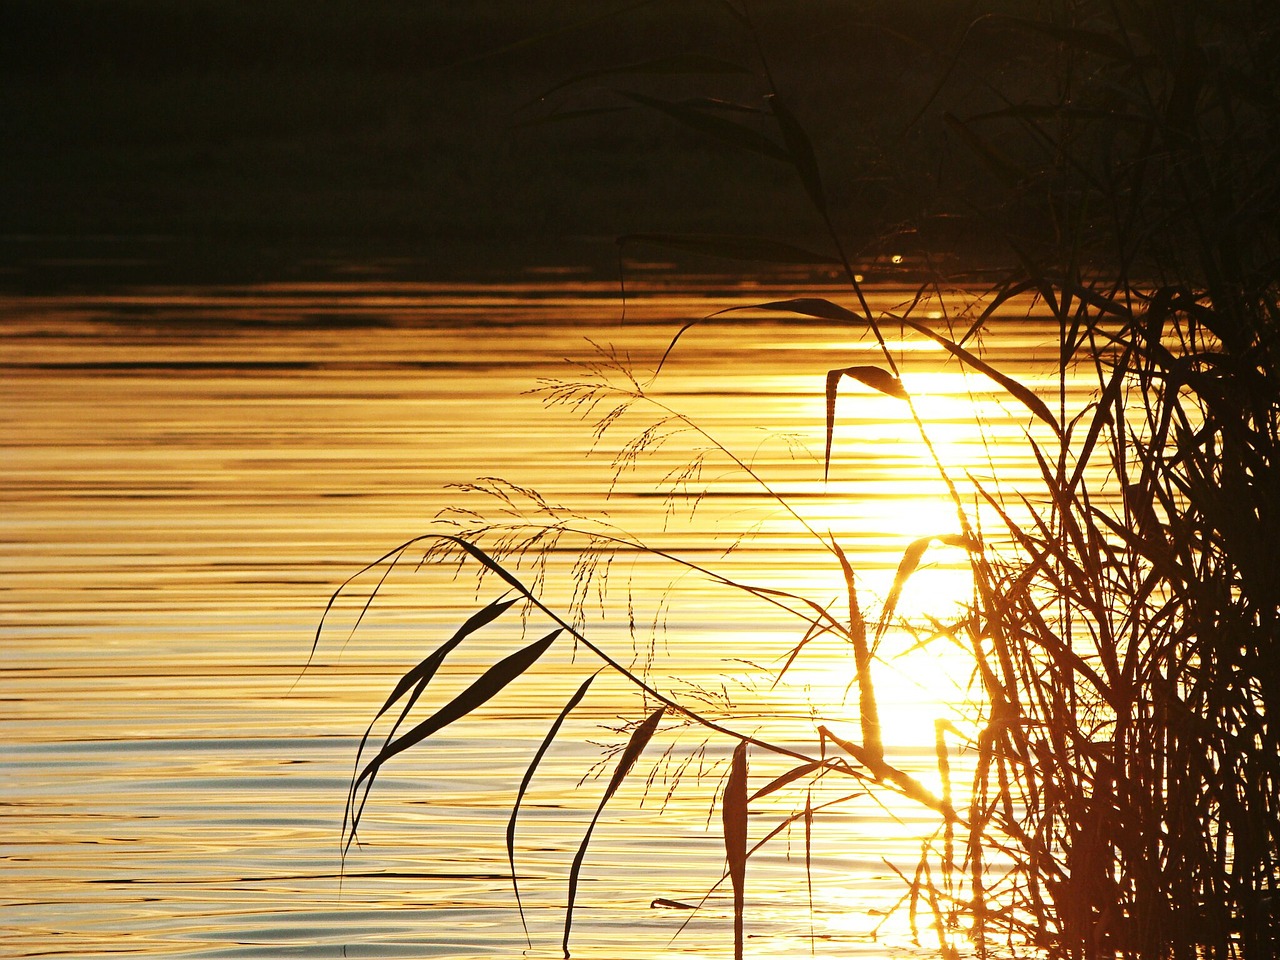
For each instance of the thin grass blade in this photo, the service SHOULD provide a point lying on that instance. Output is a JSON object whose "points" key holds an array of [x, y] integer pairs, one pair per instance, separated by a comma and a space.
{"points": [[524, 786], [1089, 41], [1003, 295], [1005, 170], [780, 781], [419, 677], [640, 738], [817, 628], [808, 862]]}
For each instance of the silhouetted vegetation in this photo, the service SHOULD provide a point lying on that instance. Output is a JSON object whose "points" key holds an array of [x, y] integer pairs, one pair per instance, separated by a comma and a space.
{"points": [[1126, 612], [217, 137]]}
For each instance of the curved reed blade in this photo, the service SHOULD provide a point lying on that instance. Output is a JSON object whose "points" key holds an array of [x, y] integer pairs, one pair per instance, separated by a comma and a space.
{"points": [[424, 671], [909, 786], [868, 710], [778, 828], [524, 785], [640, 738], [780, 781], [808, 861], [485, 687], [816, 307], [418, 678], [391, 558], [873, 377], [1021, 393], [817, 628], [734, 817], [1002, 167], [1007, 291], [911, 558]]}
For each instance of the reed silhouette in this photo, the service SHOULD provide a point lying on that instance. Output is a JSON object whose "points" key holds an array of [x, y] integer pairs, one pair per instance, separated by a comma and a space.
{"points": [[1125, 799]]}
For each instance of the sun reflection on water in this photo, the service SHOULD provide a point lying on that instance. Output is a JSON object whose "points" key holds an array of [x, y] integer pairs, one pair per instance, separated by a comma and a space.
{"points": [[189, 473]]}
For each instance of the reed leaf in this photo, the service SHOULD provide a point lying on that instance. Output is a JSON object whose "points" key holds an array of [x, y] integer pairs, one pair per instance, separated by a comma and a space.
{"points": [[419, 677], [733, 809], [1021, 393], [1007, 291], [815, 307], [873, 377], [780, 781], [524, 786], [868, 708], [421, 674], [808, 858], [817, 628], [640, 738], [908, 785], [488, 685]]}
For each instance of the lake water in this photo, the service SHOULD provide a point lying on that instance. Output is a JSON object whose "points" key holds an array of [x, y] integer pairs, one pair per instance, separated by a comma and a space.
{"points": [[188, 474]]}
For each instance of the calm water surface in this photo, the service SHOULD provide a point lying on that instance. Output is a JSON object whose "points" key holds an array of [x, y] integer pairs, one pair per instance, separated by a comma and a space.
{"points": [[188, 474]]}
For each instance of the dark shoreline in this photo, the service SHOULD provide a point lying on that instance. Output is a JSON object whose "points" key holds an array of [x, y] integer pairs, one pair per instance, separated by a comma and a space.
{"points": [[51, 265], [226, 141]]}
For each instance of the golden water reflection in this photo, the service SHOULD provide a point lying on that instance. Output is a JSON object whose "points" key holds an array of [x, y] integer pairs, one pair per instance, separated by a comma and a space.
{"points": [[187, 474]]}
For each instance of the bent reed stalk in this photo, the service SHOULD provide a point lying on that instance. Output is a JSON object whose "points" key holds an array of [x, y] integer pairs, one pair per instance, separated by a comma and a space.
{"points": [[1125, 799]]}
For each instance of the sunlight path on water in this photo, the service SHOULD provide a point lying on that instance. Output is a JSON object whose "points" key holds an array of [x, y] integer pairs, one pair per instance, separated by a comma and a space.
{"points": [[188, 474]]}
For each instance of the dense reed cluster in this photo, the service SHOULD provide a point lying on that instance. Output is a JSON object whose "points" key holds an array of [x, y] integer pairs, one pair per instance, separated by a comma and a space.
{"points": [[1126, 635], [1129, 645]]}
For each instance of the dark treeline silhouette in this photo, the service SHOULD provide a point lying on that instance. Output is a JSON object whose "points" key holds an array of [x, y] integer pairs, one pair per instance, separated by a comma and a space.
{"points": [[256, 134]]}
